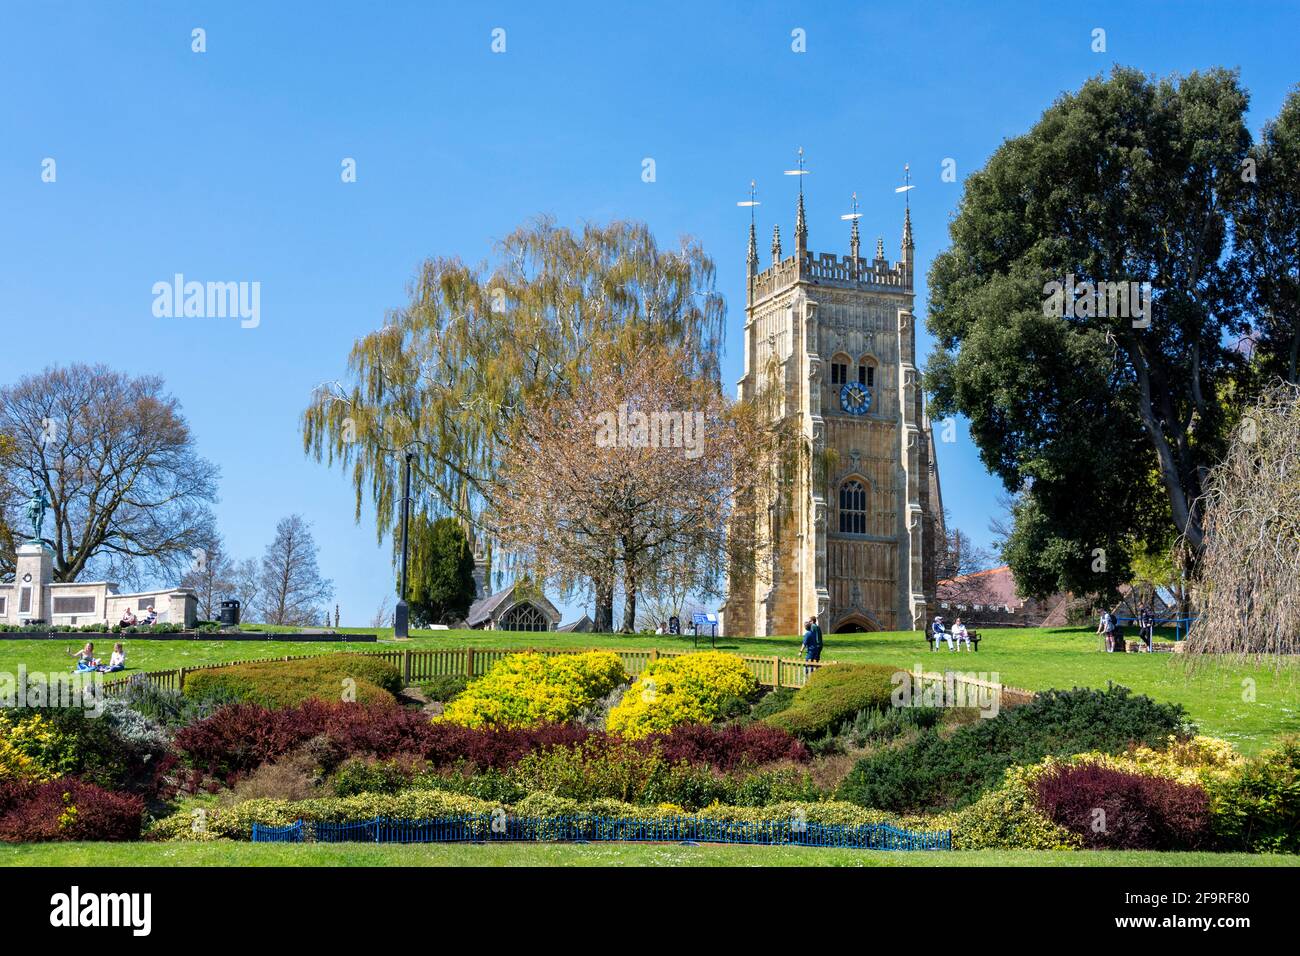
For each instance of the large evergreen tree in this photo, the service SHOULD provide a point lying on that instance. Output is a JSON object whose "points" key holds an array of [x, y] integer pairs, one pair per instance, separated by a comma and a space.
{"points": [[1103, 426], [440, 572]]}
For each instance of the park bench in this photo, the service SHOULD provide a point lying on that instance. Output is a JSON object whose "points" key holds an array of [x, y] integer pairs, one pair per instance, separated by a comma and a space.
{"points": [[974, 640]]}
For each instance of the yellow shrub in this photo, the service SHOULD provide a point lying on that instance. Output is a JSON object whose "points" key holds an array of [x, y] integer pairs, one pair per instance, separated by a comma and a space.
{"points": [[690, 689], [1007, 819], [526, 689], [25, 749]]}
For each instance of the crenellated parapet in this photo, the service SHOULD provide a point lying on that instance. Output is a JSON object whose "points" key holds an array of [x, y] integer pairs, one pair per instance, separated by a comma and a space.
{"points": [[829, 269]]}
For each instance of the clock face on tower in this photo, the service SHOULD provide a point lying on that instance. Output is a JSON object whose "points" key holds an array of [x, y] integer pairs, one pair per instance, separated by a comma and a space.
{"points": [[855, 398]]}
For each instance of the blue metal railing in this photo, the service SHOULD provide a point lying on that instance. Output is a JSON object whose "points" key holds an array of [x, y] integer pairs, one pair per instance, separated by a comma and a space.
{"points": [[501, 828], [1181, 624]]}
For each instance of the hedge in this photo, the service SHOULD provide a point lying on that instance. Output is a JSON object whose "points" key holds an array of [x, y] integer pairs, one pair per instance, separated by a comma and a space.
{"points": [[237, 822], [328, 677], [834, 694]]}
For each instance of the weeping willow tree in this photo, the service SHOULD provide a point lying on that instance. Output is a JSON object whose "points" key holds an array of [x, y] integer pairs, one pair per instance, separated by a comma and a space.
{"points": [[451, 376], [1248, 589]]}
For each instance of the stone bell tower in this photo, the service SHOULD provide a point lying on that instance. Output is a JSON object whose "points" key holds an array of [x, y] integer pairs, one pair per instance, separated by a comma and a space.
{"points": [[852, 535]]}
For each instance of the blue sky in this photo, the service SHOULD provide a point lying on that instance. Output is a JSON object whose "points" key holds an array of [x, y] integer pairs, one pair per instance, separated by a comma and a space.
{"points": [[225, 166]]}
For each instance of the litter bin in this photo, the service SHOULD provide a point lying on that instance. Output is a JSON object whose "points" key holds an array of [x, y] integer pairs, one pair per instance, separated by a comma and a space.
{"points": [[229, 613]]}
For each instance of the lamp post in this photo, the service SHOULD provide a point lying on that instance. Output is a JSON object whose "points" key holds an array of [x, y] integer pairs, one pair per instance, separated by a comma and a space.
{"points": [[401, 615]]}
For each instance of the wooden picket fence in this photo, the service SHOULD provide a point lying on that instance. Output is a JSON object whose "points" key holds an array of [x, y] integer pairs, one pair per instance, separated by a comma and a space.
{"points": [[417, 666]]}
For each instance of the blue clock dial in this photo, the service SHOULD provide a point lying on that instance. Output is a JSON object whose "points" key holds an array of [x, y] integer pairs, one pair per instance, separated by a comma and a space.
{"points": [[855, 398]]}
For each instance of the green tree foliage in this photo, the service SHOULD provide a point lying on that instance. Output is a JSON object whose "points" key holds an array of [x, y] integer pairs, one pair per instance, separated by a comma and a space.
{"points": [[451, 374], [440, 572], [1268, 242], [1102, 429]]}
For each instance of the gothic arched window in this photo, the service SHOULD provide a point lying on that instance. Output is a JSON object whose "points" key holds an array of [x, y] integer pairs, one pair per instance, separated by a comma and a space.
{"points": [[853, 507], [524, 617], [839, 369], [867, 374]]}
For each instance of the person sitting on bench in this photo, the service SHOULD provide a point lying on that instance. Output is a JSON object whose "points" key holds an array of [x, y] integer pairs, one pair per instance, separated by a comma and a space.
{"points": [[940, 634], [959, 634], [128, 618]]}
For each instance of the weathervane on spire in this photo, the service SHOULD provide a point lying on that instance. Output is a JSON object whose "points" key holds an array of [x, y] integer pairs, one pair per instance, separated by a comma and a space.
{"points": [[907, 184], [751, 201], [800, 223], [854, 239], [855, 215], [752, 255], [798, 172]]}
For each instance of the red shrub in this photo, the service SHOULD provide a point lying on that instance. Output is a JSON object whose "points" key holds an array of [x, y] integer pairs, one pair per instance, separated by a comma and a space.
{"points": [[730, 746], [1113, 810], [500, 749], [241, 737], [67, 809]]}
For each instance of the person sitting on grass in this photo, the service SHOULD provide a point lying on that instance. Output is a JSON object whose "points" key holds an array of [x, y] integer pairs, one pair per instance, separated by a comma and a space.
{"points": [[150, 618], [86, 658], [128, 618], [116, 661]]}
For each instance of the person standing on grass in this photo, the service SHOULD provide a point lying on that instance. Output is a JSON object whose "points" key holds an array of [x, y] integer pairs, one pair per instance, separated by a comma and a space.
{"points": [[1147, 627], [812, 640], [1104, 626]]}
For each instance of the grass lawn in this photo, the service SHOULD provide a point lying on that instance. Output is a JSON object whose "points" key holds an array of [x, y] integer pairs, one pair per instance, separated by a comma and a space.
{"points": [[1218, 696], [224, 853]]}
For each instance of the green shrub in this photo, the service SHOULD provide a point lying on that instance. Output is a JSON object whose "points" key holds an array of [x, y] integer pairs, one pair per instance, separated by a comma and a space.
{"points": [[497, 786], [359, 775], [444, 688], [933, 773], [1257, 809], [773, 702], [834, 694], [276, 684]]}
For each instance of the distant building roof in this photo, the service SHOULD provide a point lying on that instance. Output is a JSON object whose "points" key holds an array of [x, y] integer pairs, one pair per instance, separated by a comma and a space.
{"points": [[493, 607], [583, 625], [994, 586], [481, 610]]}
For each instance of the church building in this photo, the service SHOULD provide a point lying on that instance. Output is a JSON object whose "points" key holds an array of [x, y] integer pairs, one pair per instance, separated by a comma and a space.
{"points": [[852, 535]]}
